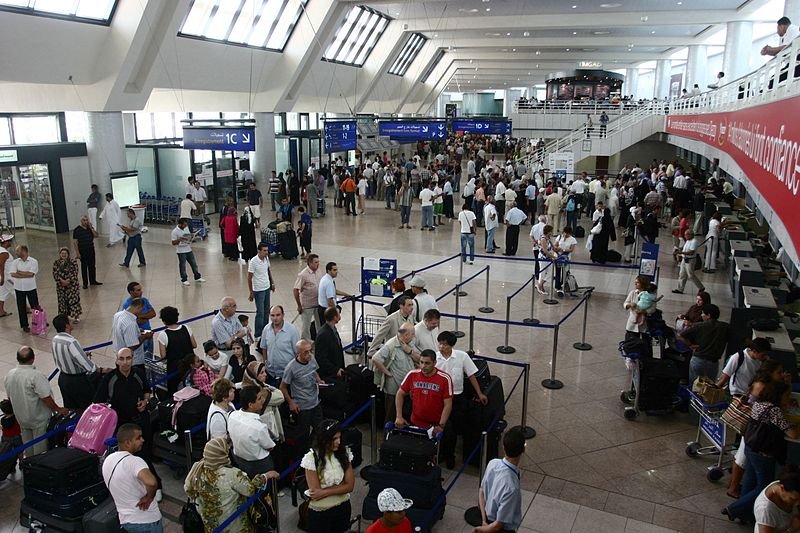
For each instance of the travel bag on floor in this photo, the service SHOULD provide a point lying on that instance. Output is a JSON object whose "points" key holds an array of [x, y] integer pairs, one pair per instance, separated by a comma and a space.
{"points": [[97, 424], [102, 519], [36, 520], [424, 489], [333, 393], [287, 244], [60, 440], [658, 384], [352, 438], [73, 504], [408, 450], [8, 465], [60, 470]]}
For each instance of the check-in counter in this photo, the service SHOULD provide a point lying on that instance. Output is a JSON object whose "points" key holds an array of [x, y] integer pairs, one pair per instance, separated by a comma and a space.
{"points": [[747, 272], [758, 297], [723, 208], [783, 349]]}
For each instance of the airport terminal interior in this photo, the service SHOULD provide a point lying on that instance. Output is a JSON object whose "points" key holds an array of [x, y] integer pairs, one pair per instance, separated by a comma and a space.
{"points": [[676, 115]]}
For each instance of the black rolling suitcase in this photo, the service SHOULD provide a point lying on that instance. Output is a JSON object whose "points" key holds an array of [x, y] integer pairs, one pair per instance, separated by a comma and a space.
{"points": [[7, 466], [72, 505], [36, 520], [352, 438], [60, 440], [333, 394], [408, 450], [102, 519], [287, 244], [61, 470], [481, 416], [658, 384], [424, 489]]}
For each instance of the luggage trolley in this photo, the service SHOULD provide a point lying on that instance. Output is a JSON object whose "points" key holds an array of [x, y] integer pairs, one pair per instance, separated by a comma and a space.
{"points": [[156, 369], [716, 432], [198, 226], [655, 393]]}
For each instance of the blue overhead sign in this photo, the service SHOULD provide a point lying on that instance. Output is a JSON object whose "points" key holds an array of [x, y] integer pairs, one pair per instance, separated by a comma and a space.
{"points": [[340, 136], [219, 138], [428, 130], [492, 127]]}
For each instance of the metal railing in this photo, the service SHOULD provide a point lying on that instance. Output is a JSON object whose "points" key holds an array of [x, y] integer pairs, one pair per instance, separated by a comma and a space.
{"points": [[569, 107]]}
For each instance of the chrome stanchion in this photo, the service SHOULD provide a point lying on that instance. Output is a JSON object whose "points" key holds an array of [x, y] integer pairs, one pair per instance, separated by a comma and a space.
{"points": [[373, 438], [552, 382], [486, 308], [506, 348], [461, 275], [550, 300], [527, 431], [531, 319], [471, 350], [457, 332], [484, 452], [472, 516], [187, 446], [354, 350], [273, 493], [583, 345]]}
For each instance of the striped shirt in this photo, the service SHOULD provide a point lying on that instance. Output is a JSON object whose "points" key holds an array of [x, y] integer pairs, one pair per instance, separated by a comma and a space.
{"points": [[70, 357], [222, 329], [125, 334]]}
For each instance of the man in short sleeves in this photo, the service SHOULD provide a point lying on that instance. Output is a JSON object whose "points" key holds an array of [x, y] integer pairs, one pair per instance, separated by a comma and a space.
{"points": [[300, 387], [499, 497], [431, 392]]}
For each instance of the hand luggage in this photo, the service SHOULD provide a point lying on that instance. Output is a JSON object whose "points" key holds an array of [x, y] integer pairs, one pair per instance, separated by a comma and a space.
{"points": [[97, 424], [360, 382], [423, 489], [102, 519], [483, 376], [580, 232], [36, 520], [61, 440], [658, 384], [71, 505], [472, 438], [39, 323], [182, 416], [333, 393], [60, 470], [570, 283], [8, 465], [408, 450], [321, 206], [613, 256], [352, 438], [287, 244]]}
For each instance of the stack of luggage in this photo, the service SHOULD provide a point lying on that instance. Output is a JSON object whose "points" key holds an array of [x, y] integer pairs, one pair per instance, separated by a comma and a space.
{"points": [[478, 417], [408, 464], [174, 418]]}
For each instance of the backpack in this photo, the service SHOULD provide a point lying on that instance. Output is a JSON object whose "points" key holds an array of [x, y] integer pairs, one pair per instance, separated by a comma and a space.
{"points": [[571, 204], [739, 363], [570, 283]]}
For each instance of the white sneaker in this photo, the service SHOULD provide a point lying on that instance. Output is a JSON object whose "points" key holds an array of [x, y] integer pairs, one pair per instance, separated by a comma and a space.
{"points": [[186, 283], [471, 262], [200, 280]]}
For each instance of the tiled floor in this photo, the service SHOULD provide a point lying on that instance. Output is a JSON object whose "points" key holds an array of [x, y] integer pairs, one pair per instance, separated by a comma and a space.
{"points": [[588, 469]]}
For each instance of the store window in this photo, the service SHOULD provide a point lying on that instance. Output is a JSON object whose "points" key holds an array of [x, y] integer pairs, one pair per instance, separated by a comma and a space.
{"points": [[159, 126], [5, 131], [292, 121], [35, 129], [76, 126]]}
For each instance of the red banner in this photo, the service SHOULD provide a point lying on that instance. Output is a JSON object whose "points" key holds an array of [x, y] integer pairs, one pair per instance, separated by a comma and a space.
{"points": [[765, 142]]}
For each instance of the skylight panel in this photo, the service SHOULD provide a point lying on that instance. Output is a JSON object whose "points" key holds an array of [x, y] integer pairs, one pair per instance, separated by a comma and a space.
{"points": [[95, 11], [408, 54], [357, 36], [433, 65]]}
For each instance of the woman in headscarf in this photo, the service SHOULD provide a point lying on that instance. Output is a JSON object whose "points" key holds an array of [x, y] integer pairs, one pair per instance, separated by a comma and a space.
{"points": [[600, 240], [247, 231], [613, 201], [65, 273], [255, 373], [230, 230], [219, 488]]}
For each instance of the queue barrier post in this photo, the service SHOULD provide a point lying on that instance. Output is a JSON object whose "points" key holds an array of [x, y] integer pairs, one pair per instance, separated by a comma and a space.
{"points": [[550, 300], [527, 431], [457, 332], [187, 443], [486, 308], [531, 319], [471, 350], [354, 349], [506, 349], [551, 382], [273, 492], [373, 438], [583, 345], [473, 516], [484, 454], [459, 292]]}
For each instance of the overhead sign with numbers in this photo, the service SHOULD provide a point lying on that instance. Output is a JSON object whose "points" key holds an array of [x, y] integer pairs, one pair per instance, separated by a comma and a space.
{"points": [[420, 130], [340, 136], [241, 139], [491, 127]]}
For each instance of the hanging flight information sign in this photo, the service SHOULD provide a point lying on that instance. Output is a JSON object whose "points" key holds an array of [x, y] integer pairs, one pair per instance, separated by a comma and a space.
{"points": [[492, 127], [242, 139], [340, 136], [427, 130]]}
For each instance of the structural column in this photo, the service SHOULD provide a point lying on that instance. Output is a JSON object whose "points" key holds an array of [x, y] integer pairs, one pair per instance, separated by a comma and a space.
{"points": [[663, 74], [263, 159], [738, 41], [696, 66], [105, 145], [631, 85], [791, 9]]}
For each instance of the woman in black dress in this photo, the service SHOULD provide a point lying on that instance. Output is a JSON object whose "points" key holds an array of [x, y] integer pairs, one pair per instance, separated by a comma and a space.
{"points": [[294, 189], [600, 241], [247, 231]]}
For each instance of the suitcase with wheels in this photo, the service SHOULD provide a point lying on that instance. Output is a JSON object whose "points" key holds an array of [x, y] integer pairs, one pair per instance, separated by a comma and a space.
{"points": [[287, 244], [580, 232], [408, 450], [60, 440], [658, 384], [97, 424], [60, 470], [613, 256], [424, 489], [101, 519], [353, 439], [36, 520], [72, 505], [321, 206], [8, 465], [333, 394]]}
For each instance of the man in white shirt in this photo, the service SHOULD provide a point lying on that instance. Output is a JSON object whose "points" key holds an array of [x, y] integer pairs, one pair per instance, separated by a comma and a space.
{"points": [[490, 223], [514, 218], [688, 254], [200, 197], [500, 198], [182, 239], [251, 440], [426, 196], [422, 300], [328, 291], [787, 32], [426, 332], [471, 167], [466, 221], [23, 273], [456, 364], [187, 207], [565, 244], [536, 235], [131, 483], [259, 281]]}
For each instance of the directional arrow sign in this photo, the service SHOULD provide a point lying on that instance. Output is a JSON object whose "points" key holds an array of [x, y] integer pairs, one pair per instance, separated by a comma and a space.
{"points": [[340, 136], [242, 139], [413, 130], [492, 127]]}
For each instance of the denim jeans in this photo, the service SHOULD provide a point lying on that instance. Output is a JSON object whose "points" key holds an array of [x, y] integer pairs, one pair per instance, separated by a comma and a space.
{"points": [[702, 367], [427, 216], [490, 239], [467, 239], [759, 472], [188, 257], [389, 196], [405, 214], [153, 527], [261, 299], [572, 219], [134, 243]]}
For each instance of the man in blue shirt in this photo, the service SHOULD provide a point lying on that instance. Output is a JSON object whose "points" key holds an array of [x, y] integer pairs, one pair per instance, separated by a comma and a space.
{"points": [[499, 497], [143, 317]]}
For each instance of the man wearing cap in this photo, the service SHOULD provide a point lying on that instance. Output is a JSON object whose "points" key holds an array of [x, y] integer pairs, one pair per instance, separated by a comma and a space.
{"points": [[6, 285], [393, 506], [422, 300], [499, 497]]}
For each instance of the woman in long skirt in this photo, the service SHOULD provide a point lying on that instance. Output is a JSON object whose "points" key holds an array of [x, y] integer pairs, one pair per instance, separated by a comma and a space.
{"points": [[65, 273], [247, 231]]}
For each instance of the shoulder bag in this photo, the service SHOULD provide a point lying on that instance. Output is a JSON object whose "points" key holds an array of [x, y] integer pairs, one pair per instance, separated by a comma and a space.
{"points": [[738, 414], [765, 438]]}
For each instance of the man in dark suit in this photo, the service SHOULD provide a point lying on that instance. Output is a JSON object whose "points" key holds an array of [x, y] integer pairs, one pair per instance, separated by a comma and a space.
{"points": [[328, 346]]}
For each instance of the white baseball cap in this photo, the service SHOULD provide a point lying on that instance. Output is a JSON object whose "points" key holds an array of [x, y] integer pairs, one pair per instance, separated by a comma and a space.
{"points": [[5, 237], [391, 500]]}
